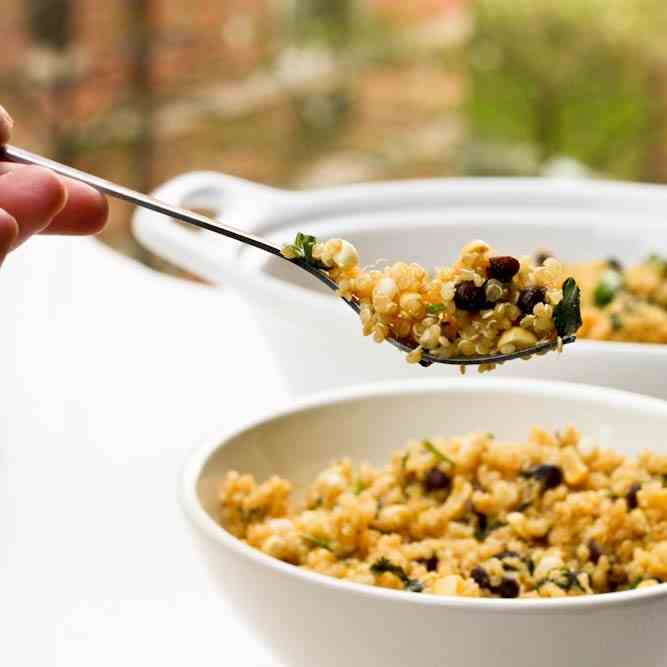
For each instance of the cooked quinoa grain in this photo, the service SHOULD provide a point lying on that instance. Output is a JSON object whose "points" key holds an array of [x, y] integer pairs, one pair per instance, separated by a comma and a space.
{"points": [[470, 516], [484, 304]]}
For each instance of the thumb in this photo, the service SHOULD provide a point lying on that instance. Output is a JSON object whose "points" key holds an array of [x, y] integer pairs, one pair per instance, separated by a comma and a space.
{"points": [[9, 230]]}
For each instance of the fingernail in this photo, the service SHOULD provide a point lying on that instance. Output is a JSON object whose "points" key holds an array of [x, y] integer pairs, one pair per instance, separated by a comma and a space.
{"points": [[6, 125], [6, 118]]}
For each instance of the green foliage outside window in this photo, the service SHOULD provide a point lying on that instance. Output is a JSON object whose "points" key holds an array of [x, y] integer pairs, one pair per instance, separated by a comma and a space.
{"points": [[573, 77]]}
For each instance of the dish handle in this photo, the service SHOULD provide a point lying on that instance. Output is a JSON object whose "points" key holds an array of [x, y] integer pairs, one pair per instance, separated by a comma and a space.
{"points": [[242, 203]]}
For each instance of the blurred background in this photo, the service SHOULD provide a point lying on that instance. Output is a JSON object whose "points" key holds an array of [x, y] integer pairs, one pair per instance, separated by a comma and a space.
{"points": [[308, 93]]}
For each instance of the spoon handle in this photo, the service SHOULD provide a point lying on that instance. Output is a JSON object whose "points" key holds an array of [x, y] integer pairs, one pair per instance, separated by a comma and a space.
{"points": [[14, 154]]}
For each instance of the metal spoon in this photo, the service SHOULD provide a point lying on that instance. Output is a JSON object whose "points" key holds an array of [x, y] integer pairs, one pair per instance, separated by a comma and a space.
{"points": [[22, 156]]}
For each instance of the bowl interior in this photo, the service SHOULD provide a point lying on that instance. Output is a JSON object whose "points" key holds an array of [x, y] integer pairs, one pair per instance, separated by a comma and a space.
{"points": [[368, 424], [434, 236]]}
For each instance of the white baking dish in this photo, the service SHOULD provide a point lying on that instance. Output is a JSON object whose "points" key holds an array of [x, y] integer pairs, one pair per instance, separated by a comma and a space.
{"points": [[307, 619], [318, 342]]}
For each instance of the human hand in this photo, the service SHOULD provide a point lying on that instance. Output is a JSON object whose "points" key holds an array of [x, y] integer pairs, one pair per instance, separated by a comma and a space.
{"points": [[34, 200]]}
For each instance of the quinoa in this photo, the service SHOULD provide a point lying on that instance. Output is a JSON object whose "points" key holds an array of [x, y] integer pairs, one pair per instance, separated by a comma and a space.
{"points": [[471, 516], [625, 304], [481, 305]]}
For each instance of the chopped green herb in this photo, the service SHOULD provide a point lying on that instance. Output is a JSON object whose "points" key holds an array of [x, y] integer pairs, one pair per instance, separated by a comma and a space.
{"points": [[317, 542], [436, 452], [480, 530], [306, 242], [660, 262], [616, 322], [435, 308], [406, 476], [483, 531], [303, 247], [491, 436], [567, 314], [385, 565], [359, 488], [610, 284], [414, 586], [563, 578], [636, 583]]}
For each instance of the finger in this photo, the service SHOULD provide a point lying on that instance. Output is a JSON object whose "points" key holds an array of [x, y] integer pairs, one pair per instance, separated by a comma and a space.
{"points": [[9, 230], [6, 124], [33, 196], [85, 212]]}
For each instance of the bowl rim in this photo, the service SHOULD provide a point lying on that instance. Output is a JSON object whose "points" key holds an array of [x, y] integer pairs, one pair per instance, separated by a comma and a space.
{"points": [[200, 519]]}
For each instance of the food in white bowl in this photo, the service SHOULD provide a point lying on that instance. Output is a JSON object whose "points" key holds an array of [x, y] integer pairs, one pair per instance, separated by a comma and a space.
{"points": [[483, 304], [474, 516], [623, 303], [306, 617]]}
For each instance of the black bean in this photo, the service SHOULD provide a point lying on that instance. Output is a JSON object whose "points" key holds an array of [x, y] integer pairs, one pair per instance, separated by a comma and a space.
{"points": [[549, 475], [595, 552], [541, 542], [508, 567], [481, 577], [529, 298], [503, 268], [631, 497], [469, 297], [431, 563], [508, 588], [481, 522], [616, 579], [615, 264], [436, 480]]}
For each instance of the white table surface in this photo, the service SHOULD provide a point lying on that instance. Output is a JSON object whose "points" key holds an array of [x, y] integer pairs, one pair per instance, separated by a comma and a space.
{"points": [[109, 374]]}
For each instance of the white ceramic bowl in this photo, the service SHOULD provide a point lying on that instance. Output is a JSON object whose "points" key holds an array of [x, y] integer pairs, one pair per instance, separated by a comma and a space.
{"points": [[318, 342], [309, 619]]}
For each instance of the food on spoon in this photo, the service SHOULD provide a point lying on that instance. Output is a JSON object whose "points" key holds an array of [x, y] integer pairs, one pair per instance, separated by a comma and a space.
{"points": [[484, 304], [474, 516]]}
